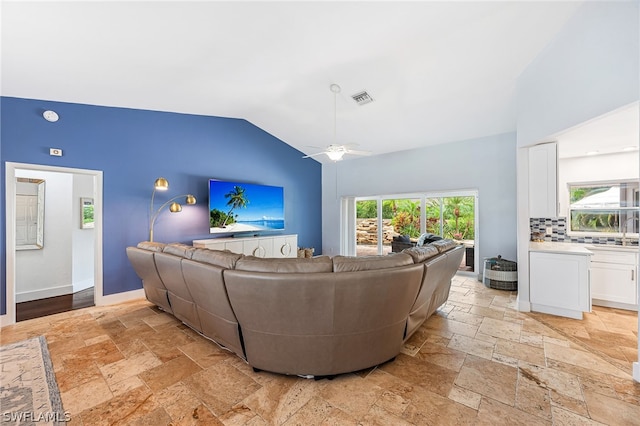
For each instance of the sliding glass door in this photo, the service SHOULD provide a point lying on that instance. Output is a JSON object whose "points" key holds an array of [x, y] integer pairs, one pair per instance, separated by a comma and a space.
{"points": [[380, 220]]}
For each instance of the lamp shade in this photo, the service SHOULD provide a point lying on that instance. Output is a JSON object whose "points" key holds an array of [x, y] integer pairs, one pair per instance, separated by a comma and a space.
{"points": [[190, 199], [175, 207], [161, 184]]}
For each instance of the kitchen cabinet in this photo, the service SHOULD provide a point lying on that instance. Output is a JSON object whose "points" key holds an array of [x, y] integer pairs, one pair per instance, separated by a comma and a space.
{"points": [[543, 180], [614, 277], [559, 282], [272, 246]]}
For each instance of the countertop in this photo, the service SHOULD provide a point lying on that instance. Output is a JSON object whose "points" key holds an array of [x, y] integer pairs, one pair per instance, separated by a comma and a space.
{"points": [[560, 248]]}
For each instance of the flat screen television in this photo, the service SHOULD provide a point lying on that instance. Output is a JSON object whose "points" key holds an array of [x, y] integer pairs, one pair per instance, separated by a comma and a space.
{"points": [[237, 207]]}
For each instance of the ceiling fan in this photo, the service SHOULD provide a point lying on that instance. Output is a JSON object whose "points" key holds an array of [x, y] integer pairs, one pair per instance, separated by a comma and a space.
{"points": [[334, 151]]}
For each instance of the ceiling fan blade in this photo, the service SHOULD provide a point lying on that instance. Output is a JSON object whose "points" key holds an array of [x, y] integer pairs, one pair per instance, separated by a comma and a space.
{"points": [[313, 155], [354, 152]]}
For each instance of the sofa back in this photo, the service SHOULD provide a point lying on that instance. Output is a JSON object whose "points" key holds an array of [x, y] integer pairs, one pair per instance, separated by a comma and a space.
{"points": [[203, 277], [169, 264], [145, 267], [322, 323]]}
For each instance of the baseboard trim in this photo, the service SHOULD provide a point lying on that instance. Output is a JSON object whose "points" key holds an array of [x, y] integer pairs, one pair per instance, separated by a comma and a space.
{"points": [[5, 320], [43, 293], [113, 299]]}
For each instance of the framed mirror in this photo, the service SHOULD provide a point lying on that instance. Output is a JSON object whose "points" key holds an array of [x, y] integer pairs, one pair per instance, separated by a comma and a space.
{"points": [[86, 218], [29, 213]]}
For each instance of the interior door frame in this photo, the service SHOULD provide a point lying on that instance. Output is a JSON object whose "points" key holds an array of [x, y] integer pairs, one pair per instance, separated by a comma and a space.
{"points": [[10, 195]]}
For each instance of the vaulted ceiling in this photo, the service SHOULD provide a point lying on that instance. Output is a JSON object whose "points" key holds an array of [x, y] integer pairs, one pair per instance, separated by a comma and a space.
{"points": [[437, 71]]}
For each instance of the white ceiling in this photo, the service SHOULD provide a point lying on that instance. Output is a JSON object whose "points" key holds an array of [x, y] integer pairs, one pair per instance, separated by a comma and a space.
{"points": [[438, 71], [614, 132]]}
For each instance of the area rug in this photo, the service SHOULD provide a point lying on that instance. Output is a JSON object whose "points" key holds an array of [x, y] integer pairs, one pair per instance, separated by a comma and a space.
{"points": [[29, 393]]}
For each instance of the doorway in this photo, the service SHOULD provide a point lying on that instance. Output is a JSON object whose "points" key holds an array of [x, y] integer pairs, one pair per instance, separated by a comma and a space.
{"points": [[69, 273]]}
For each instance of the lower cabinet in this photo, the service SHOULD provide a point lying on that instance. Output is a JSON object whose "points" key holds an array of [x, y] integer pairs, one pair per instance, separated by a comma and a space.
{"points": [[559, 284], [614, 279], [275, 246]]}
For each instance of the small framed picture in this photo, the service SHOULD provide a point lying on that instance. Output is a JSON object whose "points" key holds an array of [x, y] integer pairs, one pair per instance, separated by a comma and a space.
{"points": [[86, 213]]}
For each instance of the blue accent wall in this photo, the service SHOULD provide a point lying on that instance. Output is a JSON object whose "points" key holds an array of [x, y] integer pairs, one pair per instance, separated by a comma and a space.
{"points": [[134, 147]]}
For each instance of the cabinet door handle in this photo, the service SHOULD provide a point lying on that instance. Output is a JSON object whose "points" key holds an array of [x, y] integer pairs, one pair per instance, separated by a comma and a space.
{"points": [[285, 249], [632, 273]]}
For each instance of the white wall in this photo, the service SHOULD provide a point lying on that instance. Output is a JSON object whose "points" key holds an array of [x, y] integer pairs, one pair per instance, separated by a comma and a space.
{"points": [[83, 240], [486, 164], [47, 272], [591, 68], [595, 168]]}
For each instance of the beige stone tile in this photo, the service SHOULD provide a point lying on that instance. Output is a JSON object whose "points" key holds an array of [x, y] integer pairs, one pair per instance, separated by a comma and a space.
{"points": [[126, 385], [421, 372], [496, 313], [170, 372], [603, 409], [447, 328], [472, 346], [204, 352], [428, 408], [567, 403], [128, 367], [379, 416], [442, 356], [392, 403], [501, 329], [220, 387], [495, 413], [465, 317], [160, 319], [85, 396], [465, 397], [311, 413], [489, 378], [354, 397], [278, 399], [533, 397], [548, 378], [122, 409], [567, 418], [582, 359], [76, 372], [530, 354]]}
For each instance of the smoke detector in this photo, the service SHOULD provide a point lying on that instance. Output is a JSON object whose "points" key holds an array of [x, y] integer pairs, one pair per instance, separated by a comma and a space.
{"points": [[362, 98]]}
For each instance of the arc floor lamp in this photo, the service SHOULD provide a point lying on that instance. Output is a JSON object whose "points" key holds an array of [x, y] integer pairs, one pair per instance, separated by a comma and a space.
{"points": [[161, 184]]}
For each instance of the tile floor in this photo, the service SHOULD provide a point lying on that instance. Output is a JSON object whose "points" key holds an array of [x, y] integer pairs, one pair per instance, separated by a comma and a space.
{"points": [[476, 361]]}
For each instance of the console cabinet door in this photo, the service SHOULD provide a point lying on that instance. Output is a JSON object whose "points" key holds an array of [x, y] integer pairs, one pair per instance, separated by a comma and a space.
{"points": [[285, 246], [543, 178]]}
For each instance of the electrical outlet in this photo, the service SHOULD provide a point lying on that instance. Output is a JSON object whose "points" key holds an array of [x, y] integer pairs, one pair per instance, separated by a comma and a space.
{"points": [[549, 230], [56, 152]]}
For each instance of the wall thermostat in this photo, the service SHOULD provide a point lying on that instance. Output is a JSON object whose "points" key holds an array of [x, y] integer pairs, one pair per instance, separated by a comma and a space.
{"points": [[57, 152]]}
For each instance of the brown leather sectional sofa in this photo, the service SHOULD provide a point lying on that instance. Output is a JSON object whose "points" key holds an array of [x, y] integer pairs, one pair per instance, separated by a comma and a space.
{"points": [[314, 317]]}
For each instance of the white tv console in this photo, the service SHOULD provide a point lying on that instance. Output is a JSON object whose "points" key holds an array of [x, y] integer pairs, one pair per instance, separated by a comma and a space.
{"points": [[262, 246]]}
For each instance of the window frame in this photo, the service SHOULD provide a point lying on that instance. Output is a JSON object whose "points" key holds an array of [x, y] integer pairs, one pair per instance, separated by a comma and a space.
{"points": [[610, 182]]}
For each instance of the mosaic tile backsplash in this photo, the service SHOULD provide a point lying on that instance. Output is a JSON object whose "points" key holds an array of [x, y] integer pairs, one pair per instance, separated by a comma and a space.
{"points": [[559, 233]]}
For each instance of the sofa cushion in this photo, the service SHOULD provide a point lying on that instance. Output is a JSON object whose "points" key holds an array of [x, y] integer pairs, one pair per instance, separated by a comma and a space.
{"points": [[179, 249], [444, 245], [420, 254], [369, 263], [286, 265], [151, 246], [222, 258]]}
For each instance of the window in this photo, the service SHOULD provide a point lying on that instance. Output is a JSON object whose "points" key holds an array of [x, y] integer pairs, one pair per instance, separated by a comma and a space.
{"points": [[372, 223], [604, 207]]}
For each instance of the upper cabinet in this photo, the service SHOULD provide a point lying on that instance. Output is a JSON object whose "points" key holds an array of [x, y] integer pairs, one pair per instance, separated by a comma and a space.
{"points": [[543, 180]]}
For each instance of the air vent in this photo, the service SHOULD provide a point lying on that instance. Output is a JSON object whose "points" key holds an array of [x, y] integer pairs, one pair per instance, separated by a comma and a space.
{"points": [[362, 98]]}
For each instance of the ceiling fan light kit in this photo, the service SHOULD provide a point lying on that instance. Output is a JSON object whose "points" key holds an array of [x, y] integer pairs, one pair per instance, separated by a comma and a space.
{"points": [[334, 151]]}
